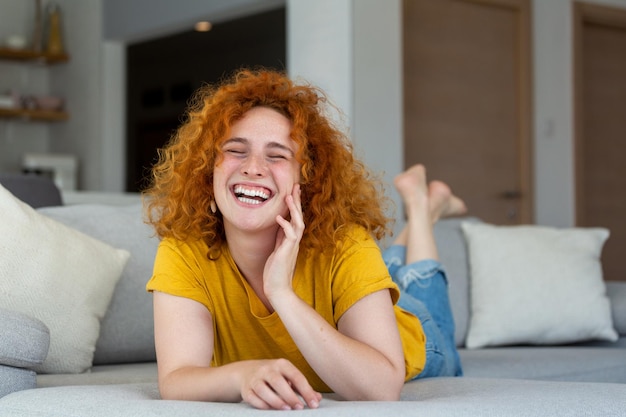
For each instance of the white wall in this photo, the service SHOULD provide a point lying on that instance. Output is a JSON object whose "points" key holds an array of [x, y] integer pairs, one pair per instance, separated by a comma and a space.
{"points": [[352, 50], [17, 137], [80, 81], [113, 116], [553, 133], [378, 99], [320, 48]]}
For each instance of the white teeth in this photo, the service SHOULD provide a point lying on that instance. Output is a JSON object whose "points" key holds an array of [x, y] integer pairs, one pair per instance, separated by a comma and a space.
{"points": [[241, 191], [248, 200]]}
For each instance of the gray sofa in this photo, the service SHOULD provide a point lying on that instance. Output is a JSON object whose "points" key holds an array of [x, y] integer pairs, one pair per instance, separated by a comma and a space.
{"points": [[587, 378]]}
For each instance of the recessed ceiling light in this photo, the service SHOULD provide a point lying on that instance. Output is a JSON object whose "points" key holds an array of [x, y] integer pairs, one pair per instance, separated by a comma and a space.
{"points": [[203, 26]]}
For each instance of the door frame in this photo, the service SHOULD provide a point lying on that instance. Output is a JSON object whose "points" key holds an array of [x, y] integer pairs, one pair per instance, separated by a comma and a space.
{"points": [[596, 14]]}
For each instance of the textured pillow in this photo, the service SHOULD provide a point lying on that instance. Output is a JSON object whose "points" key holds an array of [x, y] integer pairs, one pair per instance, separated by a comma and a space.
{"points": [[536, 285], [59, 276]]}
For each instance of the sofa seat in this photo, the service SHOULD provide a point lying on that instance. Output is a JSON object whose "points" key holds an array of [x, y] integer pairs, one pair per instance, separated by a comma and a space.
{"points": [[132, 373], [580, 363], [431, 397]]}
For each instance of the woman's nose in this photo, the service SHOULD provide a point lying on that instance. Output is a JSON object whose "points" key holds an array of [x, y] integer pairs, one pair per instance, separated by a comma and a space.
{"points": [[254, 166]]}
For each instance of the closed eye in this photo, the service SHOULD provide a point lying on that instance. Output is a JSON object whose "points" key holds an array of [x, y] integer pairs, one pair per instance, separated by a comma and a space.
{"points": [[235, 152]]}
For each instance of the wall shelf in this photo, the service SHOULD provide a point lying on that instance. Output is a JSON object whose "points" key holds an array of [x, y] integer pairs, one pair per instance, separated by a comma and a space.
{"points": [[27, 55], [34, 115]]}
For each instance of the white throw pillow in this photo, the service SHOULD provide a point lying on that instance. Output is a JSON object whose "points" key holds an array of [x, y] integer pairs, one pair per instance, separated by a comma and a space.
{"points": [[536, 285], [58, 275]]}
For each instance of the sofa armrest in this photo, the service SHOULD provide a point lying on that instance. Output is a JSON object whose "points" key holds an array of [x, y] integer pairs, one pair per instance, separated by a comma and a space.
{"points": [[35, 190], [616, 290], [23, 345]]}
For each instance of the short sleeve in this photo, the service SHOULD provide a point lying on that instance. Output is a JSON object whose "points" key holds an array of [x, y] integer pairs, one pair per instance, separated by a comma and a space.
{"points": [[359, 270], [177, 271]]}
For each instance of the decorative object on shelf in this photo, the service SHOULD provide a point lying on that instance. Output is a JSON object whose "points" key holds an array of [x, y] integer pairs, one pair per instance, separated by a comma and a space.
{"points": [[16, 42], [11, 99], [54, 45], [51, 103], [45, 102], [7, 101], [45, 108], [38, 28]]}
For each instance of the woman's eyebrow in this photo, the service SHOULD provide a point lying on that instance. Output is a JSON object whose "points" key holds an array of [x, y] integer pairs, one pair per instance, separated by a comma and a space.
{"points": [[236, 140], [276, 145]]}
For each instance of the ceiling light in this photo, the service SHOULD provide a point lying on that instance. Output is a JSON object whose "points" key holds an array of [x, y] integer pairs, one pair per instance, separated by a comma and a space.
{"points": [[203, 26]]}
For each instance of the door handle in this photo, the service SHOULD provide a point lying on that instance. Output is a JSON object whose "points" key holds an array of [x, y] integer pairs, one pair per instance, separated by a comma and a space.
{"points": [[511, 195]]}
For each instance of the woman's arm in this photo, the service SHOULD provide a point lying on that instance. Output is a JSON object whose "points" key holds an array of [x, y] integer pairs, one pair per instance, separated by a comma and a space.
{"points": [[363, 359], [360, 360], [184, 347]]}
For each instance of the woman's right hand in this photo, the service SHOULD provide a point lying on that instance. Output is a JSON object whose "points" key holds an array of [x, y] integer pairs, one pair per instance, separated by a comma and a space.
{"points": [[277, 384], [186, 373]]}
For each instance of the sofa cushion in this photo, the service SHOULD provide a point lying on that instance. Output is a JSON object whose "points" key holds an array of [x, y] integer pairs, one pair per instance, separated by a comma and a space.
{"points": [[127, 333], [453, 256], [537, 285], [58, 275], [616, 291]]}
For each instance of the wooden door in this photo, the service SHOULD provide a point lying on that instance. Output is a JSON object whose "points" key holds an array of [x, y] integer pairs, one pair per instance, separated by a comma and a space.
{"points": [[467, 101], [600, 74]]}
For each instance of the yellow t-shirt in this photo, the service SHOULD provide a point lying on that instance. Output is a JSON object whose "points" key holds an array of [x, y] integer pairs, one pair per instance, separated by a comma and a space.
{"points": [[244, 329]]}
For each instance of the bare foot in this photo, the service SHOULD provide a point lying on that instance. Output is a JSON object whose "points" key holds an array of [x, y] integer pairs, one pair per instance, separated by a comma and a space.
{"points": [[412, 186], [443, 203]]}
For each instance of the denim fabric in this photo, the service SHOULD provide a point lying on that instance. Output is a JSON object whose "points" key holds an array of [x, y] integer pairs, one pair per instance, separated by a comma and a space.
{"points": [[424, 292]]}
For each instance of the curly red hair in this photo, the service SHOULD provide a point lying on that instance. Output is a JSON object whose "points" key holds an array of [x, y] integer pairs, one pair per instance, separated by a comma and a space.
{"points": [[337, 189]]}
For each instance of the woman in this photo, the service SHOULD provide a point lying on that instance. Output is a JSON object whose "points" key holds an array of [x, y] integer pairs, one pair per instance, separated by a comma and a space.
{"points": [[268, 285]]}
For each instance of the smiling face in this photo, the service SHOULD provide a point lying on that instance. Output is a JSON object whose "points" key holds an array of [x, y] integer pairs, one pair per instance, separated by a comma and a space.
{"points": [[258, 170]]}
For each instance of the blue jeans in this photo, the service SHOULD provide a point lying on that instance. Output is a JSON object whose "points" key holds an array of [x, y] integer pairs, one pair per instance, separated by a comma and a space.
{"points": [[424, 292]]}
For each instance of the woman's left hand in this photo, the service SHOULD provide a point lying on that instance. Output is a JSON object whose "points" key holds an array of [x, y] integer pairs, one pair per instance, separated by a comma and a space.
{"points": [[279, 268]]}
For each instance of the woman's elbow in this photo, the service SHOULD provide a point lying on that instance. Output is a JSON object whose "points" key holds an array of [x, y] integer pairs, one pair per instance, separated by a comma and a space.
{"points": [[170, 389], [391, 391], [166, 391]]}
